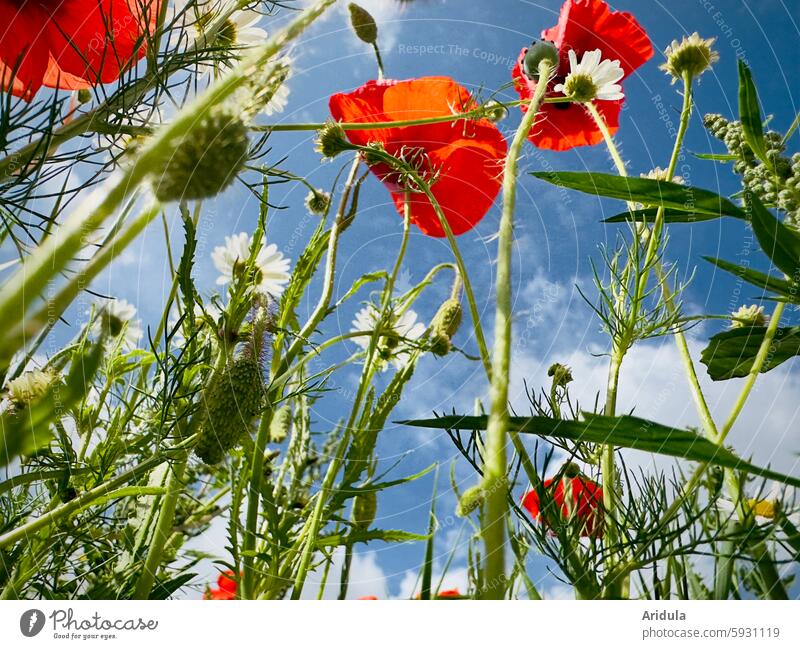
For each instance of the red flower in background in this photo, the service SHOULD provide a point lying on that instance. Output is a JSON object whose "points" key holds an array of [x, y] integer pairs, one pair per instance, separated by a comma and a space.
{"points": [[578, 498], [450, 593], [583, 25], [70, 44], [466, 155], [370, 597], [226, 587]]}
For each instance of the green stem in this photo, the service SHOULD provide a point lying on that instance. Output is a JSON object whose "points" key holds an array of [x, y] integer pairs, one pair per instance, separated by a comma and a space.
{"points": [[494, 473], [253, 502], [163, 531]]}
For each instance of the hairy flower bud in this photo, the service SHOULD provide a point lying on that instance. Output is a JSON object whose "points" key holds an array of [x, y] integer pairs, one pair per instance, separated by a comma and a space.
{"points": [[539, 51], [29, 387], [363, 24], [448, 318], [365, 506], [280, 424], [318, 201], [692, 55], [332, 140], [440, 344], [204, 161], [470, 500], [748, 316], [230, 403]]}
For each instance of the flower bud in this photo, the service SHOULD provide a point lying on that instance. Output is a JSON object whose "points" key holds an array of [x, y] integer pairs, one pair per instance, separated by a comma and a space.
{"points": [[280, 424], [318, 201], [562, 375], [29, 387], [494, 111], [539, 51], [230, 403], [448, 318], [440, 344], [363, 24], [84, 96], [332, 140], [365, 506], [748, 316], [470, 500], [692, 55], [204, 161]]}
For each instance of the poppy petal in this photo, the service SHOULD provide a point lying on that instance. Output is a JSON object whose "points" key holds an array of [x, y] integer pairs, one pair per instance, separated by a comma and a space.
{"points": [[466, 155], [586, 25]]}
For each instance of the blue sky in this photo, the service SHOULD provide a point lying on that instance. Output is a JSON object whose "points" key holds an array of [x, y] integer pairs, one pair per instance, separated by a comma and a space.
{"points": [[557, 234]]}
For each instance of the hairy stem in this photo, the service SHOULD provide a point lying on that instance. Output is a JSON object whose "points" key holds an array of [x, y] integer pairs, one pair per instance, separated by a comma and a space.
{"points": [[494, 474]]}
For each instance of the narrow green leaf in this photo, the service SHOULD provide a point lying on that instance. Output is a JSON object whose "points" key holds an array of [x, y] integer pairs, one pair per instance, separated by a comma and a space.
{"points": [[750, 114], [762, 281], [648, 215], [389, 536], [780, 243], [626, 432], [730, 354], [645, 191], [716, 157]]}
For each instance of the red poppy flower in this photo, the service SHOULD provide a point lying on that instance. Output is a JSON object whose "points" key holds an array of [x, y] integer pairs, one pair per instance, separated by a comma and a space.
{"points": [[578, 498], [70, 44], [583, 25], [226, 587], [449, 593], [368, 597], [466, 155]]}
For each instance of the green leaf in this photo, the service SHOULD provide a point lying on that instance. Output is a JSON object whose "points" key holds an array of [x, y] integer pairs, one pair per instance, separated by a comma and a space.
{"points": [[730, 354], [762, 281], [780, 243], [716, 157], [626, 432], [648, 215], [389, 536], [645, 191], [750, 114]]}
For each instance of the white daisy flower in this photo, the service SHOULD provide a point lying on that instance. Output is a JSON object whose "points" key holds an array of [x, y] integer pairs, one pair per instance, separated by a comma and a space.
{"points": [[394, 346], [239, 30], [271, 267], [764, 507], [592, 78], [114, 319]]}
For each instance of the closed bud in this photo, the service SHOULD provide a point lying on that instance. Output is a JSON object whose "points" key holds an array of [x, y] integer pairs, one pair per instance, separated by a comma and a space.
{"points": [[280, 424], [332, 140], [204, 161], [748, 316], [318, 201], [365, 506], [440, 344], [363, 24], [29, 387], [562, 375], [470, 500], [230, 403], [84, 96], [539, 51], [691, 56], [448, 318]]}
